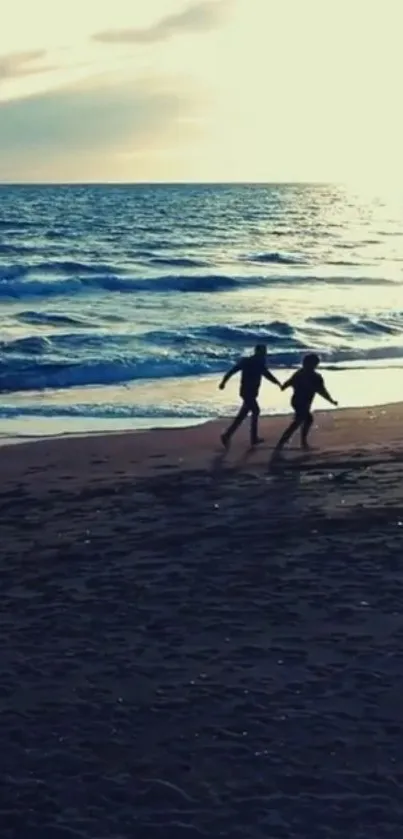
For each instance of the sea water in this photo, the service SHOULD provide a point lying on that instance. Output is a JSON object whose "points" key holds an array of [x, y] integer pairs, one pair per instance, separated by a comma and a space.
{"points": [[121, 306]]}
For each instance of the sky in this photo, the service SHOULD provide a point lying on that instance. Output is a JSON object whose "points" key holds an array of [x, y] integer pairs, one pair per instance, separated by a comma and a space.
{"points": [[201, 90]]}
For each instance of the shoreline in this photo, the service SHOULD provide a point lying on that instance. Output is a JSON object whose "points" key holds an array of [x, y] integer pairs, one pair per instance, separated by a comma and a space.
{"points": [[170, 403], [186, 446]]}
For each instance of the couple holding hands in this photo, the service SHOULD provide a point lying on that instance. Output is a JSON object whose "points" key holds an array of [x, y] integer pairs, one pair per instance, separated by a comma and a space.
{"points": [[305, 383]]}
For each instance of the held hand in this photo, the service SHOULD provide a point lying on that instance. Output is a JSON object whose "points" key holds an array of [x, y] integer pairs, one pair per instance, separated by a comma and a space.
{"points": [[221, 386], [334, 403]]}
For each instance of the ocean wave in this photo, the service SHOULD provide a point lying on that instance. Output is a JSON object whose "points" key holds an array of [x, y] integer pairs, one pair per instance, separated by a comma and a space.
{"points": [[276, 258], [68, 339], [392, 325], [275, 333], [341, 281], [66, 344], [72, 267], [57, 234], [23, 375], [15, 224], [178, 262], [345, 263], [281, 333], [141, 253], [15, 284], [107, 411], [330, 320], [26, 374], [54, 268], [47, 319], [17, 250], [16, 288], [12, 272], [31, 345]]}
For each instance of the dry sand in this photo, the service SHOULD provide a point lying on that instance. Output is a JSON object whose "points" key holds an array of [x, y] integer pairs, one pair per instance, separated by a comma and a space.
{"points": [[196, 644]]}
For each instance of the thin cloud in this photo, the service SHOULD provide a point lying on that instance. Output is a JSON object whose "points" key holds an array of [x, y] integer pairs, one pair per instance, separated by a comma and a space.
{"points": [[84, 116], [199, 17], [81, 129], [19, 64]]}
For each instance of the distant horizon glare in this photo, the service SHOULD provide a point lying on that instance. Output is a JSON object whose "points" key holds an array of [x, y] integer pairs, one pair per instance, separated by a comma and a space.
{"points": [[201, 91], [172, 183]]}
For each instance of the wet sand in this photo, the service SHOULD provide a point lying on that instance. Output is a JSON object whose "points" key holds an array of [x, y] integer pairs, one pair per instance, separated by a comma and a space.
{"points": [[197, 644]]}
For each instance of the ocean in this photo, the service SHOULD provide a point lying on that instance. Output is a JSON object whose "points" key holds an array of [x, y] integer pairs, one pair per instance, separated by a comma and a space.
{"points": [[122, 305]]}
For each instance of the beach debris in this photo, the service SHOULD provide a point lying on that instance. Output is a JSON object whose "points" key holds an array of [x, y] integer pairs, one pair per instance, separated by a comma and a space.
{"points": [[280, 661], [364, 603], [400, 523]]}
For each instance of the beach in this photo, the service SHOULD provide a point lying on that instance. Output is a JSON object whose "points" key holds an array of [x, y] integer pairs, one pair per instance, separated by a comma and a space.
{"points": [[198, 643]]}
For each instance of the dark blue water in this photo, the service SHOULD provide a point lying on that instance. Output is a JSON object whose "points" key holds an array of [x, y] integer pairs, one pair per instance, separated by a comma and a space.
{"points": [[110, 285]]}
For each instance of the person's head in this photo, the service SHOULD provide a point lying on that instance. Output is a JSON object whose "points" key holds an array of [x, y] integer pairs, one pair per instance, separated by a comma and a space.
{"points": [[311, 361], [261, 350]]}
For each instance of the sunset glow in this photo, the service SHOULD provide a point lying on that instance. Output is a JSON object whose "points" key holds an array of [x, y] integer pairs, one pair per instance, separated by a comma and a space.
{"points": [[217, 90]]}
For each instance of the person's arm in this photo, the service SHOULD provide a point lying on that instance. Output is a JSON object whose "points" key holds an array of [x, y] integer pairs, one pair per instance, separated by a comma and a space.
{"points": [[324, 393], [288, 383], [270, 378], [235, 369]]}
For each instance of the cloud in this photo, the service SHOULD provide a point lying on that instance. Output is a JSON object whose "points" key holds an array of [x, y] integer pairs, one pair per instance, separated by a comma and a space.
{"points": [[79, 130], [20, 64], [202, 16]]}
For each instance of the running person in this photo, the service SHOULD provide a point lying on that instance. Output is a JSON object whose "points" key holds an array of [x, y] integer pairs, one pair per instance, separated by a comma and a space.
{"points": [[252, 370], [306, 383]]}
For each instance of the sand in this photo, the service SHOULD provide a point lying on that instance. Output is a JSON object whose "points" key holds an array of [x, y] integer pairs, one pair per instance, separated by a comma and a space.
{"points": [[197, 644]]}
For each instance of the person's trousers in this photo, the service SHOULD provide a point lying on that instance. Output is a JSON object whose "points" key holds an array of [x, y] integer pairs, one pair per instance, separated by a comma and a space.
{"points": [[303, 420], [249, 406]]}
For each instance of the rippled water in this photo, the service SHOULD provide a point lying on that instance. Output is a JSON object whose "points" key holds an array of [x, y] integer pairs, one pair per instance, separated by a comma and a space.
{"points": [[110, 285]]}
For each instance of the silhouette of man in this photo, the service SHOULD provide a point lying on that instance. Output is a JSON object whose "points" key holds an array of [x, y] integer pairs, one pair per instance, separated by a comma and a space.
{"points": [[306, 383], [252, 370]]}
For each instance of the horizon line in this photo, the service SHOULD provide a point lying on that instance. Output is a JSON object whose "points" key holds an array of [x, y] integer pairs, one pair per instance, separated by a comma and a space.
{"points": [[172, 183]]}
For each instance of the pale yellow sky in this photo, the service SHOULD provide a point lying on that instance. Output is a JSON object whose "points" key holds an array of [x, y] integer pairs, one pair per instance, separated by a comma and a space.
{"points": [[209, 90]]}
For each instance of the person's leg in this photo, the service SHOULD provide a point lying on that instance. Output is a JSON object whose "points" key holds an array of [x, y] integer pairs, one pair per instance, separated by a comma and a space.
{"points": [[241, 415], [305, 429], [254, 423], [290, 431]]}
